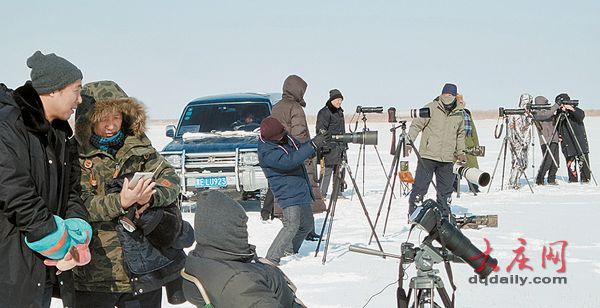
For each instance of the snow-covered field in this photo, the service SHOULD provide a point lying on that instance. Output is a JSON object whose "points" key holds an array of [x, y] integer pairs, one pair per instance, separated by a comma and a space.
{"points": [[567, 212]]}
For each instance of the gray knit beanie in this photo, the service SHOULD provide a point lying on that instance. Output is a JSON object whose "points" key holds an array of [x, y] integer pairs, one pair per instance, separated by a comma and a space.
{"points": [[220, 222], [51, 72]]}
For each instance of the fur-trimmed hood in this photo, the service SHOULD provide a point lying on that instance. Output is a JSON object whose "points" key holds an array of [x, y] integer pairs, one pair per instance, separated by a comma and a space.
{"points": [[134, 116]]}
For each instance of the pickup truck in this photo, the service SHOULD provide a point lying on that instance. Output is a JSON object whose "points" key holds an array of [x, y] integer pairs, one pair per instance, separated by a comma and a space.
{"points": [[215, 144]]}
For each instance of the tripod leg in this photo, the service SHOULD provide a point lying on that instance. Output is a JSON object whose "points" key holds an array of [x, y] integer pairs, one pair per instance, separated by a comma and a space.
{"points": [[326, 248], [445, 298], [363, 168], [528, 183], [330, 208], [496, 166], [387, 184], [323, 227], [362, 203], [506, 142], [580, 150], [387, 215], [361, 148], [382, 167]]}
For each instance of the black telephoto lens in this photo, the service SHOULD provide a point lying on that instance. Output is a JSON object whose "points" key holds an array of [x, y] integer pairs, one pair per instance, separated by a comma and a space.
{"points": [[429, 218], [461, 246]]}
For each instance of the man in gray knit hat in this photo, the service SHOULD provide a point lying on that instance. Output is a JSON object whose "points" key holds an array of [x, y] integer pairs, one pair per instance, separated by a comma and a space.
{"points": [[42, 220]]}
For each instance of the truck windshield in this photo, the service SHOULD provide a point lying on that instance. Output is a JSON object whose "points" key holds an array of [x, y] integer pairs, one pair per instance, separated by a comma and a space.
{"points": [[227, 116]]}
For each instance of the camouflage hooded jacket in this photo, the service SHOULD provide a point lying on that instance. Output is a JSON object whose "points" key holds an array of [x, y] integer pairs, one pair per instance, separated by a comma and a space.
{"points": [[107, 272]]}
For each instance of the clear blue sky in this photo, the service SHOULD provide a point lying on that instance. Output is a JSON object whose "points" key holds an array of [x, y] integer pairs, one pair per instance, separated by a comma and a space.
{"points": [[388, 53]]}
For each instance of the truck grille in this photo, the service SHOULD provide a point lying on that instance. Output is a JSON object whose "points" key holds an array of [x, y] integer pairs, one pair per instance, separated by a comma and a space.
{"points": [[214, 162]]}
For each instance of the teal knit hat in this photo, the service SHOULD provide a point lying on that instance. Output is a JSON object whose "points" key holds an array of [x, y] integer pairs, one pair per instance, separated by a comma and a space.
{"points": [[51, 72]]}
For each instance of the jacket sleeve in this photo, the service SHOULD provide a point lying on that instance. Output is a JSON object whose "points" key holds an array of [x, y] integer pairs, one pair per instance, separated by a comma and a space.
{"points": [[19, 201], [276, 158], [298, 126], [416, 126], [323, 120], [578, 115], [460, 136], [101, 207], [167, 181], [75, 207]]}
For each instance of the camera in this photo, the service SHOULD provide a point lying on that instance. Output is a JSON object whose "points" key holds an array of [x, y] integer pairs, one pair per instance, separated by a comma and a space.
{"points": [[361, 109], [534, 107], [572, 102], [502, 112], [394, 116], [368, 137], [429, 218]]}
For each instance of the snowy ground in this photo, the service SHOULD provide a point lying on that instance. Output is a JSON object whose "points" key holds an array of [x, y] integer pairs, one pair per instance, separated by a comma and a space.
{"points": [[566, 212]]}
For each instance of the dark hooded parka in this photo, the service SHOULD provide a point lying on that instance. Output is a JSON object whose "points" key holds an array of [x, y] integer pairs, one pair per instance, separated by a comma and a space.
{"points": [[290, 112], [226, 265]]}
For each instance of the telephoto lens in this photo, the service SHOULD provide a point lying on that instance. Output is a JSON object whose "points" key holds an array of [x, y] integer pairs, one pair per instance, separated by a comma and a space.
{"points": [[428, 217], [368, 137], [361, 109]]}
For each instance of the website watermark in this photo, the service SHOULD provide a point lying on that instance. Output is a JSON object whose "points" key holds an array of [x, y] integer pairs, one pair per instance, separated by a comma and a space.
{"points": [[518, 280], [552, 258]]}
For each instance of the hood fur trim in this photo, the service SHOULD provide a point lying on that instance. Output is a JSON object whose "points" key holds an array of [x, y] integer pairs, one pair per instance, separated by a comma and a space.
{"points": [[134, 117]]}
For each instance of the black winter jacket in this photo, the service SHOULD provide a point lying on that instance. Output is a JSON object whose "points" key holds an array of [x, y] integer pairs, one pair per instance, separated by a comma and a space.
{"points": [[569, 145], [39, 177], [331, 119]]}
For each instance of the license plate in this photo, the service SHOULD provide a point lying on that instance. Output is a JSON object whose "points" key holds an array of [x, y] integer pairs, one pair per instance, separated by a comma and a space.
{"points": [[215, 181]]}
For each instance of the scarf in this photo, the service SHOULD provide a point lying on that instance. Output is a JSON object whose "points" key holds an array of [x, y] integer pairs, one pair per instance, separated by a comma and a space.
{"points": [[468, 124], [108, 144]]}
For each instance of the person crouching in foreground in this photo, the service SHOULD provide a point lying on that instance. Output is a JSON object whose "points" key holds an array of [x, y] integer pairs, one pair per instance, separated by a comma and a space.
{"points": [[282, 160], [225, 266]]}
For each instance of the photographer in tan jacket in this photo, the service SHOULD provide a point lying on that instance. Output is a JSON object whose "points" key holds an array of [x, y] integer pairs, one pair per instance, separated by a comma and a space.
{"points": [[442, 144]]}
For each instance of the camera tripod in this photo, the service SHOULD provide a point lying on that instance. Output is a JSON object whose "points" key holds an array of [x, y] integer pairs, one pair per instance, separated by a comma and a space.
{"points": [[400, 150], [545, 142], [332, 205], [564, 117], [503, 149], [362, 151], [422, 287]]}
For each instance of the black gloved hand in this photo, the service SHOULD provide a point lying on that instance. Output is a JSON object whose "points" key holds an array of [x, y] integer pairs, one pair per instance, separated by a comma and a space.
{"points": [[321, 140]]}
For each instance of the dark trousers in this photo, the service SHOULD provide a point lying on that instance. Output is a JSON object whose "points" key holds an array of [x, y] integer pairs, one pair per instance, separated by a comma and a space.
{"points": [[577, 161], [298, 221], [151, 299], [548, 165], [327, 175], [444, 180]]}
